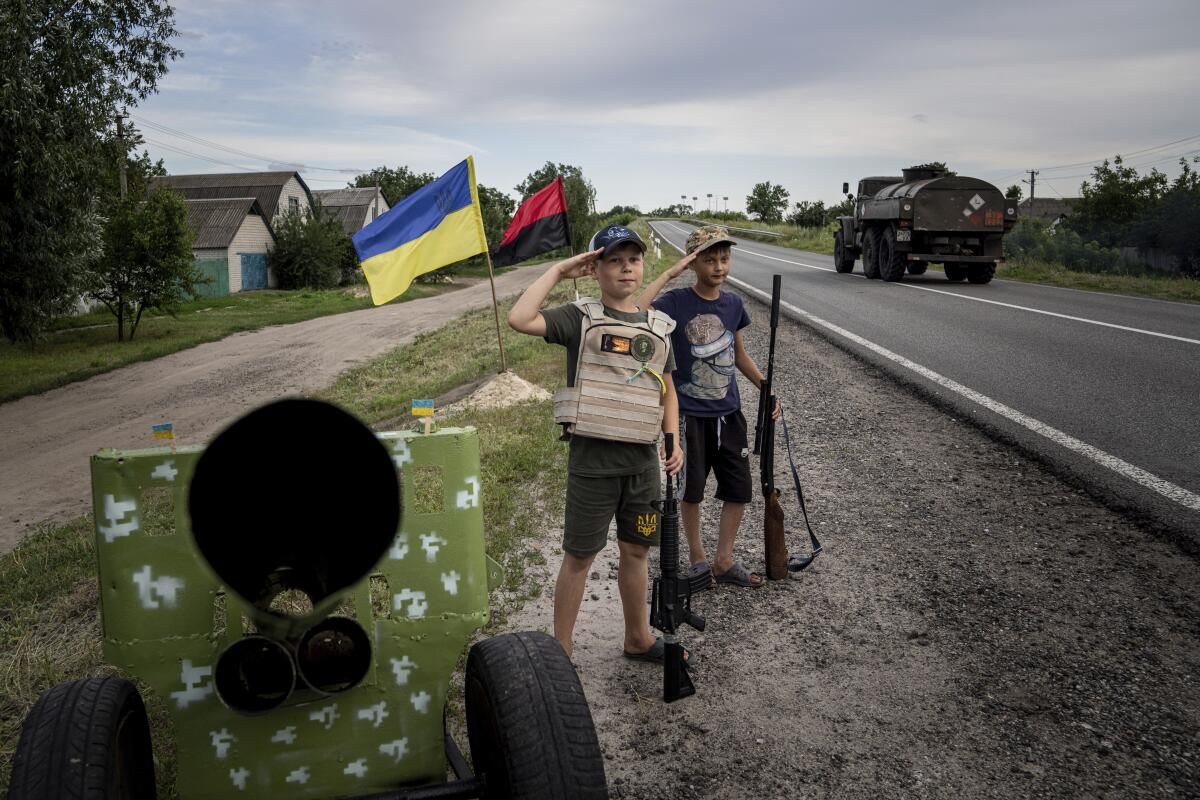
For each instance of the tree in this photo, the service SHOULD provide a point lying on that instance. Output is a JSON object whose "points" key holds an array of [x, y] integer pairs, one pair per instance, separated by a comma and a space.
{"points": [[1115, 200], [673, 210], [1173, 224], [1014, 192], [581, 198], [147, 259], [396, 184], [497, 209], [68, 69], [842, 209], [620, 211], [767, 202], [809, 214], [312, 250]]}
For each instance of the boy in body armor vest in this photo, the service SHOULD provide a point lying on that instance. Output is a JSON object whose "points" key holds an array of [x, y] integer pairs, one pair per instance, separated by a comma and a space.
{"points": [[708, 346], [619, 398]]}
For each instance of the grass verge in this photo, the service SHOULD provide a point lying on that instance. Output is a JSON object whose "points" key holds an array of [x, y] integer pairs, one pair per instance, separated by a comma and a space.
{"points": [[80, 347], [1157, 285], [49, 598]]}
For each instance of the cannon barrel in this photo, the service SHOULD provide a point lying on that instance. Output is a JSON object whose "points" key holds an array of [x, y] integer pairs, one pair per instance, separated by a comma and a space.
{"points": [[296, 499]]}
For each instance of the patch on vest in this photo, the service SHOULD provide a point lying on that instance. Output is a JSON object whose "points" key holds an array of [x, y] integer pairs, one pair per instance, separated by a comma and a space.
{"points": [[615, 344], [642, 347]]}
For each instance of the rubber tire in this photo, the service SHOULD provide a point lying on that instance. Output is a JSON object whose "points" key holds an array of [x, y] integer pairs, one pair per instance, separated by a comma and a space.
{"points": [[917, 267], [981, 273], [85, 739], [871, 253], [954, 271], [840, 262], [528, 722], [891, 263]]}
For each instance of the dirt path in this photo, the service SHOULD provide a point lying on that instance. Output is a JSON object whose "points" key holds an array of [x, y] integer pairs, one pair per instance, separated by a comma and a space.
{"points": [[46, 439], [975, 628]]}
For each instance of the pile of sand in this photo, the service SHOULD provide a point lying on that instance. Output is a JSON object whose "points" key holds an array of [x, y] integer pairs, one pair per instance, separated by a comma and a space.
{"points": [[506, 389]]}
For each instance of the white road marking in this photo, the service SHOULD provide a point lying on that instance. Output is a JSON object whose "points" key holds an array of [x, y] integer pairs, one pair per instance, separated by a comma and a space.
{"points": [[990, 302], [1136, 474]]}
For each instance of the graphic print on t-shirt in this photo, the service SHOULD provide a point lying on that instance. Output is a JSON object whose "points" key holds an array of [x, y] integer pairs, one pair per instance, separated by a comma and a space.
{"points": [[711, 345]]}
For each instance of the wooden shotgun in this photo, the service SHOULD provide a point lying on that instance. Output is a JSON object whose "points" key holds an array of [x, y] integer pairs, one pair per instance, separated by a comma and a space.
{"points": [[764, 447]]}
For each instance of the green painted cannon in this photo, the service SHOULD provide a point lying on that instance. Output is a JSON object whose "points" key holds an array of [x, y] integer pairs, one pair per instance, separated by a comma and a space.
{"points": [[302, 631]]}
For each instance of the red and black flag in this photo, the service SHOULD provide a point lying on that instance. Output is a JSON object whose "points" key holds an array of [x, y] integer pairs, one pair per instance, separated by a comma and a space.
{"points": [[540, 225]]}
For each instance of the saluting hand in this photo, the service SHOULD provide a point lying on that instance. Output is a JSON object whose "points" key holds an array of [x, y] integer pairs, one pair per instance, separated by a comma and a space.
{"points": [[682, 264], [580, 266]]}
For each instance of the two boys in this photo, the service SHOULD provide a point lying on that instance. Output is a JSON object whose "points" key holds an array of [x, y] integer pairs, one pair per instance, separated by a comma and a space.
{"points": [[621, 393]]}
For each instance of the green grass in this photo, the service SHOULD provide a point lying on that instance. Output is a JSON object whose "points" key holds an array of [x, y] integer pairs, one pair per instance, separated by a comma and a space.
{"points": [[1147, 283], [80, 347]]}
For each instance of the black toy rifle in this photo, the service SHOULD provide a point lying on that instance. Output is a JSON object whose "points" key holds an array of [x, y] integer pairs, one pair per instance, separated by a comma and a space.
{"points": [[774, 544], [671, 597]]}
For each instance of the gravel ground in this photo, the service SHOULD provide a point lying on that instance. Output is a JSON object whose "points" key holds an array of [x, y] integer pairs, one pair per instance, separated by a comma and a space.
{"points": [[975, 628]]}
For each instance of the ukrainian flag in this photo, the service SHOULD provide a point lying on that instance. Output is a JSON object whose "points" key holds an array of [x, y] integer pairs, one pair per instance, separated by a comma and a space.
{"points": [[436, 225]]}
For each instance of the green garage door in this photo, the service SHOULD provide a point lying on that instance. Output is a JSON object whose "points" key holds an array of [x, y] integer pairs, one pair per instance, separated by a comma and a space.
{"points": [[215, 271]]}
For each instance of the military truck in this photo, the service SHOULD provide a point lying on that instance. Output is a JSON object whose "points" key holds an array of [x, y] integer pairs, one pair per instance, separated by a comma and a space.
{"points": [[902, 224], [297, 594]]}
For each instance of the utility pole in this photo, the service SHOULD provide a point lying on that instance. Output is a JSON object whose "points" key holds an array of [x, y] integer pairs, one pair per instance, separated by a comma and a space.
{"points": [[1033, 173], [726, 199], [710, 202], [695, 202], [124, 157]]}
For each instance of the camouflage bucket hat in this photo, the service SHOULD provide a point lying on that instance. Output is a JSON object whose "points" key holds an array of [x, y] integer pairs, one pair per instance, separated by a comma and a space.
{"points": [[707, 236]]}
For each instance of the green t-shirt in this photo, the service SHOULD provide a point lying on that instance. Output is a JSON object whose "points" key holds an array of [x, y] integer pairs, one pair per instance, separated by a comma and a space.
{"points": [[588, 456]]}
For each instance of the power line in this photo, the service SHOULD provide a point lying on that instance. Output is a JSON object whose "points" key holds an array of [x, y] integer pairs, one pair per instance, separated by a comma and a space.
{"points": [[198, 155], [234, 150], [1124, 157]]}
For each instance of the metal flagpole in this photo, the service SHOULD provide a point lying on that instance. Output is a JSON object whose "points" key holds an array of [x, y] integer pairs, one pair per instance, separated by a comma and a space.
{"points": [[496, 309]]}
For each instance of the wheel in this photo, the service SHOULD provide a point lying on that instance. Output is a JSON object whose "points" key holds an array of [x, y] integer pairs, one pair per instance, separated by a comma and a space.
{"points": [[871, 253], [981, 273], [528, 721], [842, 261], [954, 271], [88, 738], [917, 267], [891, 262]]}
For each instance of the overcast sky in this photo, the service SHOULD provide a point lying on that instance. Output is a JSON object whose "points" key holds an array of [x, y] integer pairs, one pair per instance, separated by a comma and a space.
{"points": [[655, 100]]}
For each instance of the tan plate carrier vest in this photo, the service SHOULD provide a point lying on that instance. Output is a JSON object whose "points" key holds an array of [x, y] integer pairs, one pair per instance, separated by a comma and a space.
{"points": [[607, 401]]}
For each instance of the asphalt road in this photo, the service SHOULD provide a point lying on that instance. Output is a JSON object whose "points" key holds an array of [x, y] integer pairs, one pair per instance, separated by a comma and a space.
{"points": [[1101, 386]]}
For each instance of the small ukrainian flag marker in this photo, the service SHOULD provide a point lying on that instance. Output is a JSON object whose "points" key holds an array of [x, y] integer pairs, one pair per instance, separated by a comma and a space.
{"points": [[164, 430], [423, 408]]}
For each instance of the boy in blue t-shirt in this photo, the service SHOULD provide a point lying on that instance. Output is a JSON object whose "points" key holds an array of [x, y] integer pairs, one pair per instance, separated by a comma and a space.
{"points": [[707, 342]]}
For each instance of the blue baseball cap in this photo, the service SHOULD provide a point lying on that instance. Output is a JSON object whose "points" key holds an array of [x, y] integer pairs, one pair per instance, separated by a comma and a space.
{"points": [[612, 237]]}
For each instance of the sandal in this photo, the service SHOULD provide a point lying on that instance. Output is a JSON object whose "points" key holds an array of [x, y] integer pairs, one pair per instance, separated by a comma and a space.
{"points": [[656, 653], [738, 575], [700, 577]]}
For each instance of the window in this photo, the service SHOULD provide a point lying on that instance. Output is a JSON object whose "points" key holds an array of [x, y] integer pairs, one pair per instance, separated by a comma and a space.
{"points": [[293, 204]]}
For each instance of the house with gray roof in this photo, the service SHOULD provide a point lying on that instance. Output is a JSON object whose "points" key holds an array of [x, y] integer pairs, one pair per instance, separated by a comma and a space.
{"points": [[231, 239], [1048, 209], [355, 207], [276, 192]]}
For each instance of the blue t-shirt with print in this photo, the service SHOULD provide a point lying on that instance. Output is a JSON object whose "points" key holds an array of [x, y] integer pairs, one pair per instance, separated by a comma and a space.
{"points": [[704, 353]]}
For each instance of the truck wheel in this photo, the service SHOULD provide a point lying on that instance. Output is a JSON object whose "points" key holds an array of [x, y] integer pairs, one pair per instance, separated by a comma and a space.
{"points": [[891, 262], [85, 738], [871, 253], [917, 267], [528, 721], [842, 261], [981, 273], [954, 271]]}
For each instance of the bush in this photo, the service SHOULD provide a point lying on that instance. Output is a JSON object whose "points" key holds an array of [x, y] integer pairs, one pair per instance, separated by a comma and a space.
{"points": [[312, 251], [1031, 240]]}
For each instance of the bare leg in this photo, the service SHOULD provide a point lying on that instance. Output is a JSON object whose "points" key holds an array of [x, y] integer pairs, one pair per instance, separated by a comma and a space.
{"points": [[632, 579], [690, 514], [731, 519], [568, 595]]}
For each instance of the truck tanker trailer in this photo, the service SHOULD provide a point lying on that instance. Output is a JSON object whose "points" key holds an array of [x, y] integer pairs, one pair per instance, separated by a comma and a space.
{"points": [[902, 224]]}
